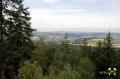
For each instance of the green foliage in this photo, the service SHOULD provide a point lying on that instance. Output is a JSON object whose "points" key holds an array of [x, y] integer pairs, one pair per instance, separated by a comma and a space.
{"points": [[43, 55], [85, 48], [40, 54], [19, 30], [75, 56], [98, 55], [65, 61], [62, 54], [16, 36], [109, 52], [68, 73], [104, 52], [116, 59], [2, 76], [30, 71], [86, 69]]}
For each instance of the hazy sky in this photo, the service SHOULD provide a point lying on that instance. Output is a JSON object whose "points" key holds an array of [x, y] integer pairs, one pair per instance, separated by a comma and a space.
{"points": [[75, 15]]}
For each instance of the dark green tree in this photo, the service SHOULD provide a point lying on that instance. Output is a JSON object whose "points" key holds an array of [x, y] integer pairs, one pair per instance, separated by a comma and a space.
{"points": [[30, 70], [3, 32], [85, 48], [98, 54], [62, 54], [19, 30], [16, 24], [86, 69], [104, 52], [40, 54], [109, 51]]}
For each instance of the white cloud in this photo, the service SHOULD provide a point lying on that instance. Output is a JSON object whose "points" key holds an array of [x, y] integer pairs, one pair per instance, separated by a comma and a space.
{"points": [[50, 19], [50, 1], [77, 18], [90, 1], [60, 11], [116, 5]]}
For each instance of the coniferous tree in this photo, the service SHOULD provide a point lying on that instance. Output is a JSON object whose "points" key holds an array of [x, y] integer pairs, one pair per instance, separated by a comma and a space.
{"points": [[65, 44], [19, 30], [62, 54], [16, 32], [65, 49], [3, 32], [108, 49], [40, 54], [98, 53], [85, 51]]}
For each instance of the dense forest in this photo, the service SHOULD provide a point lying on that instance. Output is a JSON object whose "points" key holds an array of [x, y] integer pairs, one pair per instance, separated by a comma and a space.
{"points": [[22, 58]]}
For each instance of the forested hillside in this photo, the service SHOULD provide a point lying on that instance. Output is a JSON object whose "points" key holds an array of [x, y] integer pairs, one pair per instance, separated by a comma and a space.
{"points": [[22, 58]]}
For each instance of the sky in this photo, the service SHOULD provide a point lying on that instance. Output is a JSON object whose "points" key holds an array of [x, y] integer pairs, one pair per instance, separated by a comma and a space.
{"points": [[75, 15]]}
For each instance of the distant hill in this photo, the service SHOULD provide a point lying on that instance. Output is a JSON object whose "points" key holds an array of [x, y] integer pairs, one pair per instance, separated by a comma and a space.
{"points": [[76, 37]]}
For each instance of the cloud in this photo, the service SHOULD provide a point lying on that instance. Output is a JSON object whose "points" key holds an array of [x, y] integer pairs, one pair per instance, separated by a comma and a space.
{"points": [[53, 20], [50, 1], [116, 5], [60, 11], [90, 1], [59, 14]]}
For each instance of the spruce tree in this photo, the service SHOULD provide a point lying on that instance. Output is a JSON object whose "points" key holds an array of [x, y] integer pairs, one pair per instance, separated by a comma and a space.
{"points": [[65, 44], [85, 50], [62, 54], [19, 31], [66, 50], [16, 32], [108, 49], [2, 31]]}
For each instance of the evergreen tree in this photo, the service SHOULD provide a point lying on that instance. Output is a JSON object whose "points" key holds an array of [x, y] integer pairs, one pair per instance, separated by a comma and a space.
{"points": [[65, 46], [86, 69], [85, 50], [104, 52], [64, 49], [3, 32], [40, 54], [62, 54], [108, 50], [15, 32], [19, 30], [98, 54]]}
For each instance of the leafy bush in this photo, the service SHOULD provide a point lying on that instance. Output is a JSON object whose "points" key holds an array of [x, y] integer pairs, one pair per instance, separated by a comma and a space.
{"points": [[30, 71]]}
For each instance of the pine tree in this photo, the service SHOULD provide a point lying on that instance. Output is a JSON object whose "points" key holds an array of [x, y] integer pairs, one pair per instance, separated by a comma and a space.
{"points": [[85, 49], [3, 33], [108, 49], [1, 22], [62, 54], [65, 44], [2, 30], [66, 49], [16, 32], [19, 30], [40, 54], [98, 55]]}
